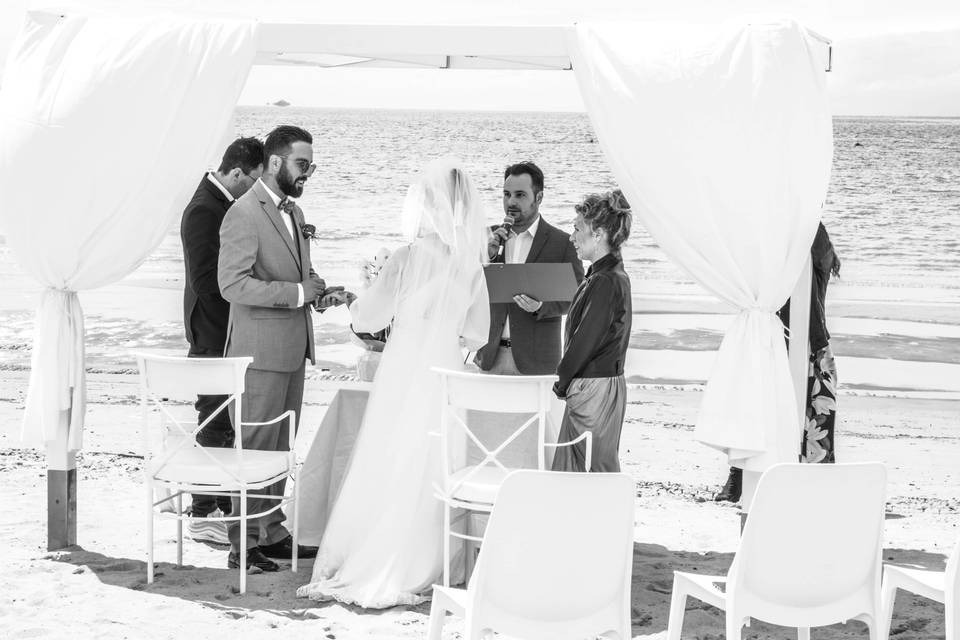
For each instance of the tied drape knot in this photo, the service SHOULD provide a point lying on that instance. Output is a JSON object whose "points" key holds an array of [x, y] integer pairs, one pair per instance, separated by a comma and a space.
{"points": [[755, 309]]}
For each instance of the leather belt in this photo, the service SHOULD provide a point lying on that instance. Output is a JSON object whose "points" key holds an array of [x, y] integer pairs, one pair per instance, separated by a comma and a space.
{"points": [[505, 342]]}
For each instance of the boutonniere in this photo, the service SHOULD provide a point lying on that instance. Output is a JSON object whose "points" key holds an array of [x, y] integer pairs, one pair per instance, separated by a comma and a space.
{"points": [[308, 231]]}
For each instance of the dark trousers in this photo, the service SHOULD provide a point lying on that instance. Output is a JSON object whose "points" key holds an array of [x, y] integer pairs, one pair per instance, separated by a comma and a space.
{"points": [[218, 433]]}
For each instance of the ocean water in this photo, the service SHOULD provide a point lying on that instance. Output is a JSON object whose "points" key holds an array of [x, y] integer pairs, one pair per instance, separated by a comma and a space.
{"points": [[893, 206], [893, 212]]}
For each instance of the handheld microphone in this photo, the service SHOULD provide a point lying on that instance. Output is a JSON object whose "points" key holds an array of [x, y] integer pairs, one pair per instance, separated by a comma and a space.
{"points": [[503, 241]]}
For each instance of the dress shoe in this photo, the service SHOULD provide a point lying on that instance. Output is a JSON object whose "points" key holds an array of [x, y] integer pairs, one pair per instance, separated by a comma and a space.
{"points": [[284, 550], [733, 488], [255, 558]]}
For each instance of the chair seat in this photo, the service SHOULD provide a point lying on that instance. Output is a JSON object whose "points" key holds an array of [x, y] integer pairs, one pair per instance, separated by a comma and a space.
{"points": [[482, 487], [191, 465], [705, 588], [930, 584]]}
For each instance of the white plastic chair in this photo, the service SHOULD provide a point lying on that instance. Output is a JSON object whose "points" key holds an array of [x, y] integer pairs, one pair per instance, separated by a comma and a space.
{"points": [[556, 561], [941, 586], [809, 556], [475, 487], [180, 465]]}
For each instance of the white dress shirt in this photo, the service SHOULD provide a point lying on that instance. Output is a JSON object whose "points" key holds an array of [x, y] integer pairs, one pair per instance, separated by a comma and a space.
{"points": [[515, 251], [213, 179], [288, 222]]}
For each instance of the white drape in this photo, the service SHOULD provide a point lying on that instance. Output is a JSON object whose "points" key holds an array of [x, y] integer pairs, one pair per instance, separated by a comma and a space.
{"points": [[106, 123], [721, 138]]}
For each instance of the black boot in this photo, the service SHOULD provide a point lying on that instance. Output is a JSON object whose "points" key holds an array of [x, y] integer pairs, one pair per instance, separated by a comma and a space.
{"points": [[732, 489]]}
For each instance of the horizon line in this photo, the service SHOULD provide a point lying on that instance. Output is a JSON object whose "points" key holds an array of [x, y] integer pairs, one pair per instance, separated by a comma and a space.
{"points": [[522, 110]]}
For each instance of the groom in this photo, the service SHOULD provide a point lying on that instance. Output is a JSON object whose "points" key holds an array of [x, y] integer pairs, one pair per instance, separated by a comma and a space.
{"points": [[264, 272]]}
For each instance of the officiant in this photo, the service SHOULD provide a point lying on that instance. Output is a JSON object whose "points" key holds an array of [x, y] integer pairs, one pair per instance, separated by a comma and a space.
{"points": [[524, 335]]}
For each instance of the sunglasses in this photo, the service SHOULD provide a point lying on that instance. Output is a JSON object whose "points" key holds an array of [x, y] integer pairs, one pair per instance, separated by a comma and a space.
{"points": [[304, 166]]}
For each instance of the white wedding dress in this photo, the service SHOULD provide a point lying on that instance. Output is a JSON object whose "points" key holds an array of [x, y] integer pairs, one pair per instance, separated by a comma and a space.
{"points": [[383, 543]]}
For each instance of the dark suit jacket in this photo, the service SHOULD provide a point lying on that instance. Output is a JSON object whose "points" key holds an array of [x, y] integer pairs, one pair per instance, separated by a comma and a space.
{"points": [[205, 312], [535, 337]]}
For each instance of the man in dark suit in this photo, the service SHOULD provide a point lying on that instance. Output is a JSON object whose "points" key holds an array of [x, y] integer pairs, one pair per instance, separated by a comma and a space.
{"points": [[525, 336], [205, 312]]}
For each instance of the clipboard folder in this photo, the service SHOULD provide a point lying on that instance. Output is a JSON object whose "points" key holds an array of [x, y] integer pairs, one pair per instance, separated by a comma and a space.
{"points": [[545, 281]]}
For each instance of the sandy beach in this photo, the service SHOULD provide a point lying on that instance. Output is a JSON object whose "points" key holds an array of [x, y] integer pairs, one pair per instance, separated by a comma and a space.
{"points": [[894, 320], [98, 588]]}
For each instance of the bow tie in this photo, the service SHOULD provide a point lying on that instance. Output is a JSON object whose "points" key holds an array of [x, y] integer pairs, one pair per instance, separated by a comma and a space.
{"points": [[286, 205]]}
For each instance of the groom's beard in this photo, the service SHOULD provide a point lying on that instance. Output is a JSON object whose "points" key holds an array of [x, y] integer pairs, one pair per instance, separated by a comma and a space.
{"points": [[289, 186]]}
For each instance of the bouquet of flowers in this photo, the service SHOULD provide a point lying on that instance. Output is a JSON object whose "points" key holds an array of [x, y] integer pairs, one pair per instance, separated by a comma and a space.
{"points": [[369, 270]]}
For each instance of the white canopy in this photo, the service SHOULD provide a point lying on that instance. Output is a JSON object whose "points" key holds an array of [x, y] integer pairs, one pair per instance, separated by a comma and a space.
{"points": [[414, 46], [76, 79]]}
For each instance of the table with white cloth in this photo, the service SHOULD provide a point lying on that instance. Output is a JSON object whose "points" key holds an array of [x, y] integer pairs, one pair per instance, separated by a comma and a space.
{"points": [[327, 460]]}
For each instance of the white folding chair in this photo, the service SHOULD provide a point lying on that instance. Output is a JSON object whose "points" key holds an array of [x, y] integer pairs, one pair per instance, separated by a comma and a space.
{"points": [[941, 586], [809, 556], [474, 487], [556, 561], [179, 465]]}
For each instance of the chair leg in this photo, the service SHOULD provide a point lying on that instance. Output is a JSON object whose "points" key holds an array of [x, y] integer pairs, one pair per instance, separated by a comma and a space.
{"points": [[803, 633], [179, 529], [951, 606], [888, 596], [678, 604], [296, 522], [734, 626], [149, 533], [468, 548], [446, 545], [437, 614], [243, 541]]}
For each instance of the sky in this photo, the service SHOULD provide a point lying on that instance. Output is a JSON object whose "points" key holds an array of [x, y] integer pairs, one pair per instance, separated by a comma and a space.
{"points": [[890, 57]]}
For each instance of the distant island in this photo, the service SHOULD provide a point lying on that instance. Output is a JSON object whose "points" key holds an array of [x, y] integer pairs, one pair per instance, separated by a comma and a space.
{"points": [[281, 103]]}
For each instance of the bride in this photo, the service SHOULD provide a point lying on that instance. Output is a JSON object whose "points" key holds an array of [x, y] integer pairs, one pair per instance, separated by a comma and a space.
{"points": [[383, 543]]}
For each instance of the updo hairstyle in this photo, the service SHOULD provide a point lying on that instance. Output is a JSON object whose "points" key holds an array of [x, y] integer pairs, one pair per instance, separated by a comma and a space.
{"points": [[609, 211]]}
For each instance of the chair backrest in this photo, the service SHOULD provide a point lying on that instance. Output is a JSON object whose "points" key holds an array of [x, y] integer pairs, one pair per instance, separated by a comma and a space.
{"points": [[462, 391], [558, 548], [813, 537], [164, 380], [181, 378], [502, 394]]}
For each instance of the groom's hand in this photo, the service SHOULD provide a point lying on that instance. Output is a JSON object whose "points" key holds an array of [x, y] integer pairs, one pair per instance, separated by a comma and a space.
{"points": [[334, 297], [313, 288]]}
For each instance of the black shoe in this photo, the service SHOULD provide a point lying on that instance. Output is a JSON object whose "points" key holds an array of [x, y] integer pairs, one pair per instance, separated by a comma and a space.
{"points": [[284, 550], [733, 488], [255, 558]]}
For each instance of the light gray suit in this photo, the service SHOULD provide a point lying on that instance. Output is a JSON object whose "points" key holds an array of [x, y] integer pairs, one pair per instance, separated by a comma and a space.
{"points": [[259, 268]]}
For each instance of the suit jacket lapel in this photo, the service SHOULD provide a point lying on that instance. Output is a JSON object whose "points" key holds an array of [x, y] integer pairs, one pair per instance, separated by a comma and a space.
{"points": [[273, 214], [298, 221], [539, 240]]}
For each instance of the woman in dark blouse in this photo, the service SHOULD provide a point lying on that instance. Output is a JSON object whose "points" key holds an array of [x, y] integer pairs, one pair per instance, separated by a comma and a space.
{"points": [[597, 334]]}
